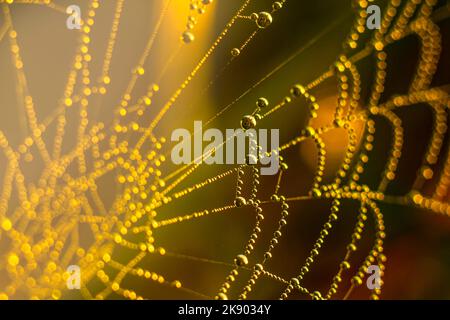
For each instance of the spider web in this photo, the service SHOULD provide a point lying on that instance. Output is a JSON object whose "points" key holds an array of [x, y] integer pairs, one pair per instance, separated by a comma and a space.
{"points": [[45, 222]]}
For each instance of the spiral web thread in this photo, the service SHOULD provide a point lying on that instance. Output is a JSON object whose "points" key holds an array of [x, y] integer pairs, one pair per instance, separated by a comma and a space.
{"points": [[41, 233]]}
